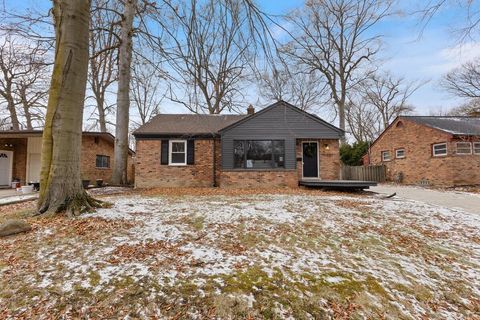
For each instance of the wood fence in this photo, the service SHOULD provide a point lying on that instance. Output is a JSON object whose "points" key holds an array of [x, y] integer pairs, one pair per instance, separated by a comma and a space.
{"points": [[364, 173]]}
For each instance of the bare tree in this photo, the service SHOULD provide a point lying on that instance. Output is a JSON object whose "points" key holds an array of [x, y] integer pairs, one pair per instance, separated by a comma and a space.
{"points": [[146, 91], [362, 120], [300, 88], [470, 108], [104, 43], [464, 81], [208, 50], [388, 95], [23, 81], [467, 23], [334, 38], [60, 183]]}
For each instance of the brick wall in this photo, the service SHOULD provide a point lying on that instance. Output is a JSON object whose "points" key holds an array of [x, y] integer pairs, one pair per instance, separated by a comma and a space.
{"points": [[258, 178], [329, 158], [19, 148], [150, 173], [419, 165], [92, 147]]}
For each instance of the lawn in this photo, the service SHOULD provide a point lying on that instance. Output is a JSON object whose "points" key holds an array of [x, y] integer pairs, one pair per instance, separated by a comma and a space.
{"points": [[242, 255]]}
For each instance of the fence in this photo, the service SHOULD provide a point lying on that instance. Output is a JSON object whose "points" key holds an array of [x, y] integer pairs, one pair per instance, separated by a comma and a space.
{"points": [[364, 173]]}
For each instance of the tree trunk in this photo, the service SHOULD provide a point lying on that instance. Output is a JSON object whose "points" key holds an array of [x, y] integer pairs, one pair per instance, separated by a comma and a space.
{"points": [[13, 114], [101, 112], [119, 175], [60, 184], [26, 108]]}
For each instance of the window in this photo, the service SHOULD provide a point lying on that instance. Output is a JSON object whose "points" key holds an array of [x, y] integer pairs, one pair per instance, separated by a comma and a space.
{"points": [[102, 161], [259, 154], [464, 148], [439, 149], [476, 148], [178, 152], [400, 153], [386, 156]]}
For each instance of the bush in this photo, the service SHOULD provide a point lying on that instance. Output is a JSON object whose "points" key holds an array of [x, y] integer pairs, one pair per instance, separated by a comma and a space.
{"points": [[351, 154]]}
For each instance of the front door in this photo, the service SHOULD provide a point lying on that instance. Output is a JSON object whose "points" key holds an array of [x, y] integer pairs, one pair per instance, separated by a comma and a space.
{"points": [[310, 159], [5, 167]]}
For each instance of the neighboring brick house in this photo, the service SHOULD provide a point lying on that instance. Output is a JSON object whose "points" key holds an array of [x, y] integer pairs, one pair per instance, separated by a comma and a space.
{"points": [[278, 146], [20, 156], [429, 150]]}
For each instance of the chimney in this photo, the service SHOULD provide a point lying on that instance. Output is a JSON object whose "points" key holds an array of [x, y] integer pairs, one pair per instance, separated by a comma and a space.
{"points": [[250, 110]]}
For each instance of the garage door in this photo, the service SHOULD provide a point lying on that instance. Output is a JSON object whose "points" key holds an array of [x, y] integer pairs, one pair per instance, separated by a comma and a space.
{"points": [[5, 167], [34, 167]]}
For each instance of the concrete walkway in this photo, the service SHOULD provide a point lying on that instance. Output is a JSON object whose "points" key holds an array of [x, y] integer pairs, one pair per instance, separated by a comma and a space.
{"points": [[450, 199], [9, 196]]}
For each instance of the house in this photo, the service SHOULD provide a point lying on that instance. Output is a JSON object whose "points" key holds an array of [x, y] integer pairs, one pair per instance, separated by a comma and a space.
{"points": [[20, 156], [429, 150], [277, 146]]}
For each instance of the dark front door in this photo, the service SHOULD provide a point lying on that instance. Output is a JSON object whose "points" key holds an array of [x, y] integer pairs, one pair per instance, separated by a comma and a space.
{"points": [[310, 159]]}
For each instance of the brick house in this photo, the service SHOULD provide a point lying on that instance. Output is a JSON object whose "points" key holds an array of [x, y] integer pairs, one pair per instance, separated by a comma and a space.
{"points": [[277, 146], [429, 150], [20, 156]]}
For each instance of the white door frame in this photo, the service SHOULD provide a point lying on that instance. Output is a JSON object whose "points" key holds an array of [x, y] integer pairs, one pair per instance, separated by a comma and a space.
{"points": [[318, 159], [11, 166]]}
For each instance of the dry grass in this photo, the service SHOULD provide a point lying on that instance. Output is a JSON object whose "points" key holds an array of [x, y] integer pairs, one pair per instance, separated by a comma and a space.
{"points": [[231, 254]]}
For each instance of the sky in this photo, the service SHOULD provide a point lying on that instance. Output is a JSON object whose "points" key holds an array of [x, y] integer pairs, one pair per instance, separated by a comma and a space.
{"points": [[407, 51]]}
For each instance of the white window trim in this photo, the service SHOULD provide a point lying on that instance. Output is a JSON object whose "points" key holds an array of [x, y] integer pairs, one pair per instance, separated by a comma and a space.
{"points": [[473, 148], [442, 154], [170, 150], [389, 153], [456, 148], [396, 153]]}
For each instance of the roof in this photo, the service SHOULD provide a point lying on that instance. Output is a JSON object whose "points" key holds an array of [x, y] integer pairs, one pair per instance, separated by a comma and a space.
{"points": [[186, 124], [38, 133], [469, 126], [284, 103]]}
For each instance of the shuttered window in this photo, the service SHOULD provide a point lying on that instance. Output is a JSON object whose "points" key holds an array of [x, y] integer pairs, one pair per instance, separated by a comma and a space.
{"points": [[178, 152]]}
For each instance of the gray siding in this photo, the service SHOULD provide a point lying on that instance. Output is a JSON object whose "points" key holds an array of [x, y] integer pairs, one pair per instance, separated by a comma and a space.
{"points": [[280, 122]]}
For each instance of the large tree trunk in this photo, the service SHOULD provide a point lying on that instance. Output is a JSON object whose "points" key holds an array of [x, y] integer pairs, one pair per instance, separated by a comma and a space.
{"points": [[60, 184], [119, 175]]}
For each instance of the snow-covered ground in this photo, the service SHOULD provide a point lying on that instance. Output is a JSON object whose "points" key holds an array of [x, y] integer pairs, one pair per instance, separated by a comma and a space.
{"points": [[264, 256]]}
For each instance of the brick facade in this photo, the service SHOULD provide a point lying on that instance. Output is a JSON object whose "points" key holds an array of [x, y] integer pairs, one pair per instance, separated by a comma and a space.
{"points": [[149, 172], [258, 178], [93, 146], [329, 158], [419, 165], [19, 148]]}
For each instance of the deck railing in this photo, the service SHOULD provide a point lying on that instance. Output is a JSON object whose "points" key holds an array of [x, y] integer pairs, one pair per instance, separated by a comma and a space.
{"points": [[364, 173]]}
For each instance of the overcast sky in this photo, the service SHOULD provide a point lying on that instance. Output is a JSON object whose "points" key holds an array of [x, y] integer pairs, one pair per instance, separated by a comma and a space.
{"points": [[407, 51]]}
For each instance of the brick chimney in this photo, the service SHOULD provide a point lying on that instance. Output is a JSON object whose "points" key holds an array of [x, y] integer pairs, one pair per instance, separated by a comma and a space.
{"points": [[250, 110]]}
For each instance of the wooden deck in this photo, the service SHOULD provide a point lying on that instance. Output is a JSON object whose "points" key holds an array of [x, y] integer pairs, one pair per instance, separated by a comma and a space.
{"points": [[337, 184]]}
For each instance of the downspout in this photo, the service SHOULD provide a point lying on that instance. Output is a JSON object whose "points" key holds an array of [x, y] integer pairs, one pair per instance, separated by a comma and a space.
{"points": [[214, 163]]}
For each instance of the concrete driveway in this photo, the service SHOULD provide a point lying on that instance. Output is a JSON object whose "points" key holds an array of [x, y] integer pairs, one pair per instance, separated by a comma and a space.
{"points": [[451, 199]]}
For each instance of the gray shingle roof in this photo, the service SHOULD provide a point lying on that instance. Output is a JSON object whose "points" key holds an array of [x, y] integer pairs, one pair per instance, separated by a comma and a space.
{"points": [[187, 124], [453, 125]]}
